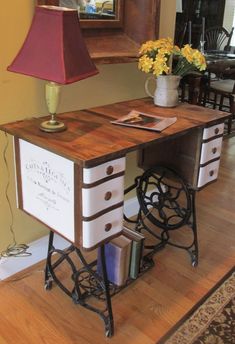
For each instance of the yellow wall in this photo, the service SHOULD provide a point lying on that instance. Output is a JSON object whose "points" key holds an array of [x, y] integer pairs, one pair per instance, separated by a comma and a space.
{"points": [[167, 18], [23, 97]]}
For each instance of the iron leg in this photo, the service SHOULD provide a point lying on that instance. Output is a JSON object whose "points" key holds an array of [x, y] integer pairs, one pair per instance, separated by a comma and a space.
{"points": [[194, 252], [48, 277], [109, 326]]}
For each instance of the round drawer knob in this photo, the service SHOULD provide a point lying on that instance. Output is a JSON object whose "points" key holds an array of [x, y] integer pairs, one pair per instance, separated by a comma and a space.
{"points": [[216, 131], [214, 150], [108, 195], [109, 170], [211, 173], [107, 227]]}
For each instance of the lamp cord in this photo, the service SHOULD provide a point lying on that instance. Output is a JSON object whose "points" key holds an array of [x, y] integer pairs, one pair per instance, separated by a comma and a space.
{"points": [[14, 249]]}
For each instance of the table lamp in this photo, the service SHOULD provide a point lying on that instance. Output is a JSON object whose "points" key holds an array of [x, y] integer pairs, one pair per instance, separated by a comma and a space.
{"points": [[54, 50]]}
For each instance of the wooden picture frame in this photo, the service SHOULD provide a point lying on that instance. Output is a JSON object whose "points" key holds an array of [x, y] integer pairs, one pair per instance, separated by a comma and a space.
{"points": [[95, 21], [119, 40]]}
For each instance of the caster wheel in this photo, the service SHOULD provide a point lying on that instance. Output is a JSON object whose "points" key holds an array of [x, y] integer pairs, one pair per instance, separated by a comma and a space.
{"points": [[109, 328], [108, 333], [194, 258], [48, 285], [75, 297]]}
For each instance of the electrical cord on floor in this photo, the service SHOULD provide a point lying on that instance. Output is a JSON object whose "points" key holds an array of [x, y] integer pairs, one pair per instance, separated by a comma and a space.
{"points": [[14, 249]]}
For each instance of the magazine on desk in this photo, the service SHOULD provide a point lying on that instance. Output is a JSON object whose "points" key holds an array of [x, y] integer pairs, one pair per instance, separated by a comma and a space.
{"points": [[146, 121]]}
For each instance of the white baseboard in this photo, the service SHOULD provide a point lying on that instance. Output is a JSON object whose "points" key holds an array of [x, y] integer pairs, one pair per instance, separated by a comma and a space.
{"points": [[131, 207], [38, 249]]}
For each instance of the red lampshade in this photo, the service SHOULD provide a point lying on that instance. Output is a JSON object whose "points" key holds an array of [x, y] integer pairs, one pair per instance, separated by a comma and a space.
{"points": [[54, 48]]}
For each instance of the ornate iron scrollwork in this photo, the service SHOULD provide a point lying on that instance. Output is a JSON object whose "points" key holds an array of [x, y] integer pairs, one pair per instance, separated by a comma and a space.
{"points": [[82, 281], [166, 203]]}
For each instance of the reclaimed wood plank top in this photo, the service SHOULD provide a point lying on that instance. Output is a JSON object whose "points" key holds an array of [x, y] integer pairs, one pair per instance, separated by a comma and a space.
{"points": [[91, 139]]}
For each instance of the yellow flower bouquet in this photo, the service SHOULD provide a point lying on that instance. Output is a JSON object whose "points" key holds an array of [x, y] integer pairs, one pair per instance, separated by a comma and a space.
{"points": [[157, 57]]}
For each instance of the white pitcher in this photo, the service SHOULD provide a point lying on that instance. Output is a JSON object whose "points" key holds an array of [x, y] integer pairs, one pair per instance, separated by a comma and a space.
{"points": [[166, 93]]}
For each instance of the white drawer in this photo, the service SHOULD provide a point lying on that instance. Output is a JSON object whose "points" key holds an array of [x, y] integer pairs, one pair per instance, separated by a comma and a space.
{"points": [[91, 175], [211, 150], [103, 227], [208, 173], [215, 130], [102, 196]]}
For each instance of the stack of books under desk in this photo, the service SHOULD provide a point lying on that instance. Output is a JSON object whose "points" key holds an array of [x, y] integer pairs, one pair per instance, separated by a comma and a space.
{"points": [[124, 258]]}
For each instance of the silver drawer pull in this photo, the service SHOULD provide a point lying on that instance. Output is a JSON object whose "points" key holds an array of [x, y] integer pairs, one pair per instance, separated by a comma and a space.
{"points": [[216, 131], [109, 170], [211, 173], [108, 195], [107, 227], [214, 150]]}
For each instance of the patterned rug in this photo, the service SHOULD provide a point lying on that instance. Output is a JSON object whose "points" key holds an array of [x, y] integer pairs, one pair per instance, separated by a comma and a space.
{"points": [[211, 321]]}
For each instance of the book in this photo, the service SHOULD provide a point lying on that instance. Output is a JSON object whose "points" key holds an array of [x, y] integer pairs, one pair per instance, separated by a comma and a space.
{"points": [[146, 121], [137, 244], [117, 256]]}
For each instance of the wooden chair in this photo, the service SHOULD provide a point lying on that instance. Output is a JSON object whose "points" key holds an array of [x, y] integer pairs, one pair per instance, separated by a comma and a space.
{"points": [[180, 33], [190, 87], [218, 38], [224, 89]]}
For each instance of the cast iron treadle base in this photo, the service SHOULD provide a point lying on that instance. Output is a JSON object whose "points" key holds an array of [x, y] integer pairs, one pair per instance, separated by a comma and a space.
{"points": [[85, 283], [166, 203]]}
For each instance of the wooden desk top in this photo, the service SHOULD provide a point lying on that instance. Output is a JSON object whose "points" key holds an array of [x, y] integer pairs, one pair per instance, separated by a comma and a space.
{"points": [[91, 139]]}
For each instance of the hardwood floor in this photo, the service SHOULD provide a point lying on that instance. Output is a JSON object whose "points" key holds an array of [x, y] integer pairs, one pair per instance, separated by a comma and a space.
{"points": [[151, 305]]}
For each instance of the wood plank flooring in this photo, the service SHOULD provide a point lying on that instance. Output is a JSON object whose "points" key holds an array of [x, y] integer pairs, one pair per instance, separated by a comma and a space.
{"points": [[151, 305]]}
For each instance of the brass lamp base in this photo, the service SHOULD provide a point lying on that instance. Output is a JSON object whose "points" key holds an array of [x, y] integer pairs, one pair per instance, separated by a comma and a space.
{"points": [[52, 100], [52, 126]]}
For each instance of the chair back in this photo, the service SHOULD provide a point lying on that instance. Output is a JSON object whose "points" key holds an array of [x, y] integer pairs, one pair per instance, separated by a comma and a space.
{"points": [[229, 40], [217, 38], [233, 91], [180, 33]]}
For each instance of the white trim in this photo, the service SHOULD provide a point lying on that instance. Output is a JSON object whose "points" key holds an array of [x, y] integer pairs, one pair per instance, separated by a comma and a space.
{"points": [[38, 249], [131, 207]]}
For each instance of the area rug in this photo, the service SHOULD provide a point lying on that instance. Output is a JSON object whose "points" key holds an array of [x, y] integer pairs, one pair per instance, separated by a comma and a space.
{"points": [[210, 321]]}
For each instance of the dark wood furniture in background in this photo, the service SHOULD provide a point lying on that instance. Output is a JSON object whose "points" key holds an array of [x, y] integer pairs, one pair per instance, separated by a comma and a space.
{"points": [[222, 89], [216, 91], [139, 21], [194, 11], [219, 91], [221, 64], [217, 38]]}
